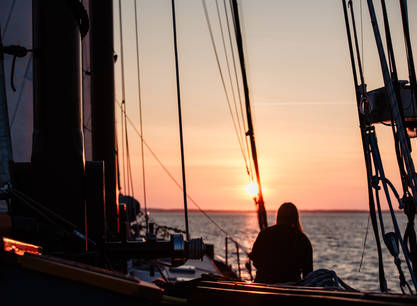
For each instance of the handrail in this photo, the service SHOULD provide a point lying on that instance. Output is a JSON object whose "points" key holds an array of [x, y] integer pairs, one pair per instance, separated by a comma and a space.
{"points": [[238, 259], [226, 248]]}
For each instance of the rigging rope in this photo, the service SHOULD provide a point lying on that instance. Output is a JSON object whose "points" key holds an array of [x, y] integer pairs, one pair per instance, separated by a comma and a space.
{"points": [[259, 201], [402, 147], [390, 237], [6, 26], [129, 166], [128, 182], [240, 125], [238, 88], [365, 145], [355, 35], [245, 249], [396, 115], [123, 150], [362, 40], [224, 83], [394, 76], [324, 278], [410, 203], [49, 215], [364, 243], [380, 176], [402, 136], [127, 171], [140, 118], [84, 74]]}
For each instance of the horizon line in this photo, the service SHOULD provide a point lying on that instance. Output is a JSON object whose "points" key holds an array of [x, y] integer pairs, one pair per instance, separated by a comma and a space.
{"points": [[179, 210]]}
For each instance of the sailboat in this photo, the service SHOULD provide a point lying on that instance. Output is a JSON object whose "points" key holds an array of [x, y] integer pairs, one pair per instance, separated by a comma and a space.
{"points": [[68, 232]]}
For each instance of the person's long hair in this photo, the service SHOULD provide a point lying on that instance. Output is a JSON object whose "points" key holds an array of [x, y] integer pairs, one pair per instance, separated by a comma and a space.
{"points": [[288, 214]]}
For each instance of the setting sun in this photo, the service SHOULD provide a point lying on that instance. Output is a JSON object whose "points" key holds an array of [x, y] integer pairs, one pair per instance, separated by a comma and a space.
{"points": [[252, 189]]}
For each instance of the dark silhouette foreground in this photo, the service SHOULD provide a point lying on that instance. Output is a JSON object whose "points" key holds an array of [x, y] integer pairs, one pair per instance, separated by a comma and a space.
{"points": [[282, 253]]}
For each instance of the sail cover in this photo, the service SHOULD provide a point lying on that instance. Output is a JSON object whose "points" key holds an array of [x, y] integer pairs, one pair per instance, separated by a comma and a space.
{"points": [[16, 29]]}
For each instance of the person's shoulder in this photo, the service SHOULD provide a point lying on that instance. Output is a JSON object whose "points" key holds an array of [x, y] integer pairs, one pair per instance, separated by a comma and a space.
{"points": [[302, 236], [267, 232]]}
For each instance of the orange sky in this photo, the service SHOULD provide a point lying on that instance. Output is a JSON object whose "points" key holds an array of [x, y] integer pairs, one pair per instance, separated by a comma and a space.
{"points": [[302, 98]]}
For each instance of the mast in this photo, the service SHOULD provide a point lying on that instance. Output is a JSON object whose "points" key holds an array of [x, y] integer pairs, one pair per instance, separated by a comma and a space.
{"points": [[58, 163], [102, 101], [184, 186], [262, 219]]}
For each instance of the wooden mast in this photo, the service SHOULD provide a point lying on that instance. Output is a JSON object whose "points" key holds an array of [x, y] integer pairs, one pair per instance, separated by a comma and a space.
{"points": [[58, 162], [262, 219], [102, 102]]}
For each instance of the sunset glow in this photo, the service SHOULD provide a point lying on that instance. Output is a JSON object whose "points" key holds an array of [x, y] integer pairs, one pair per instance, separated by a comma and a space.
{"points": [[252, 189], [302, 96]]}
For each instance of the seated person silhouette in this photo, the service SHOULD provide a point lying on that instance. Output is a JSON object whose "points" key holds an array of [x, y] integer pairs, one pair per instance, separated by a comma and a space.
{"points": [[282, 252]]}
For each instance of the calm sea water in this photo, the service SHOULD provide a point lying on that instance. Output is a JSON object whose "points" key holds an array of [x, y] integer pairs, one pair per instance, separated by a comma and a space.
{"points": [[337, 240]]}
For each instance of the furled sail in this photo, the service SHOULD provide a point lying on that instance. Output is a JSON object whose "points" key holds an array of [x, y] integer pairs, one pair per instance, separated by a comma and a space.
{"points": [[16, 29]]}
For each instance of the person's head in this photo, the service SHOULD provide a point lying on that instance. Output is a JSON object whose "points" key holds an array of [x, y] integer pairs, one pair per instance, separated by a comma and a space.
{"points": [[288, 214]]}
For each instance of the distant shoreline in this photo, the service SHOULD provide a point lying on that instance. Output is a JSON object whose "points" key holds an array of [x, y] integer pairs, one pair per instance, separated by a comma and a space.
{"points": [[330, 211]]}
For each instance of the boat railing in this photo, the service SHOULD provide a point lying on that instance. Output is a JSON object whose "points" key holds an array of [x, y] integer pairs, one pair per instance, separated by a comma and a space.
{"points": [[226, 248]]}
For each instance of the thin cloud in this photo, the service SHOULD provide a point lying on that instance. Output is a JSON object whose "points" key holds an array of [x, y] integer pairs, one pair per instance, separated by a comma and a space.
{"points": [[301, 103]]}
